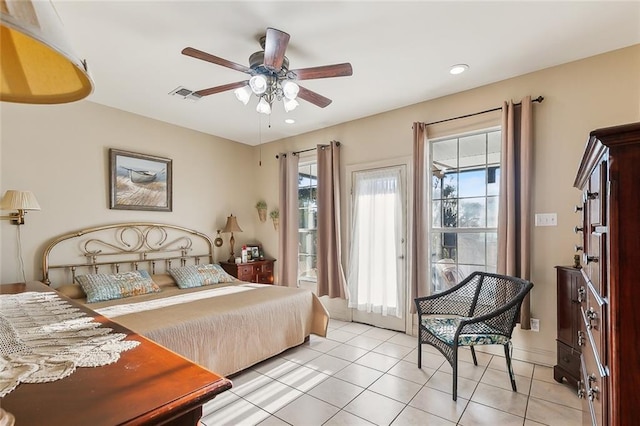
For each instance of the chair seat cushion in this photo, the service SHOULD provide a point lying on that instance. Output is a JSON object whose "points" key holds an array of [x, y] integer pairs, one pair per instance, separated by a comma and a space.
{"points": [[445, 330]]}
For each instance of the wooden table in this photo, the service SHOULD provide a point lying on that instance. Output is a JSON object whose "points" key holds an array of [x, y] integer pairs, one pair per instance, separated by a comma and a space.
{"points": [[148, 385]]}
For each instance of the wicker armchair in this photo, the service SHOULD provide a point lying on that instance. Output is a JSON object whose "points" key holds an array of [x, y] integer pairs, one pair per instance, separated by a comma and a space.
{"points": [[482, 310]]}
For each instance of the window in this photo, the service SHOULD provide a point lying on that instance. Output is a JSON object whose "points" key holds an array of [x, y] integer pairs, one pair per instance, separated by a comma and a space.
{"points": [[308, 221], [464, 191]]}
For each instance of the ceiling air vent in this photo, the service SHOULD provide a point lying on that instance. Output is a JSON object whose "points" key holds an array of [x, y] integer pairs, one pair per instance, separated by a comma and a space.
{"points": [[185, 93]]}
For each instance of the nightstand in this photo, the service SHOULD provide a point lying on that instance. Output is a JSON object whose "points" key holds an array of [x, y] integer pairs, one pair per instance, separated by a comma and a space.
{"points": [[256, 271]]}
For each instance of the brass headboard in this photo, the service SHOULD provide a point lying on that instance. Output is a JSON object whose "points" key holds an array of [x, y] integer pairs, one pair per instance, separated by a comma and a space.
{"points": [[153, 247]]}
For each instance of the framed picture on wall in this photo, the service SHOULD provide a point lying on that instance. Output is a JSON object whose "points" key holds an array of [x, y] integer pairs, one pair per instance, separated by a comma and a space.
{"points": [[139, 181]]}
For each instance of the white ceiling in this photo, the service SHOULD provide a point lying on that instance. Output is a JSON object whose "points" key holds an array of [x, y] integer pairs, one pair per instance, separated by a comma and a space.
{"points": [[400, 51]]}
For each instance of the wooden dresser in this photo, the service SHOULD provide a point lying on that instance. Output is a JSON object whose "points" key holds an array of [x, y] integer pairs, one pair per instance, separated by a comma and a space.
{"points": [[609, 176], [571, 292], [256, 271], [147, 385]]}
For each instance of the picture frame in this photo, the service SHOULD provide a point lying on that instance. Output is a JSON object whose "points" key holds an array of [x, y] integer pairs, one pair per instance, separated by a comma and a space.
{"points": [[139, 181], [253, 252]]}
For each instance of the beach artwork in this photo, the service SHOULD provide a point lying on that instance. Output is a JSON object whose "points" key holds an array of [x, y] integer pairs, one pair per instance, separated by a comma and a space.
{"points": [[139, 181]]}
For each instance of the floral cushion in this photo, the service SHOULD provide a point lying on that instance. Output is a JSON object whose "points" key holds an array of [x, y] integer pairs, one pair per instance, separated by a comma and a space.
{"points": [[445, 329], [100, 287], [199, 275]]}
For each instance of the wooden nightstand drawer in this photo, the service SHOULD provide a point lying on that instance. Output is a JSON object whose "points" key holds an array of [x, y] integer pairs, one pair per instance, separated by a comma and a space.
{"points": [[245, 272], [257, 271]]}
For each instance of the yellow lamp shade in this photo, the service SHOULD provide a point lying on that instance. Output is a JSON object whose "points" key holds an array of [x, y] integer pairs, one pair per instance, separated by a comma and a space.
{"points": [[37, 63]]}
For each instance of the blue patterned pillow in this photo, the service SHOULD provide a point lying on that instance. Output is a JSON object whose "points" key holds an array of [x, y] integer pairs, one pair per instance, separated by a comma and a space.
{"points": [[100, 287], [199, 275]]}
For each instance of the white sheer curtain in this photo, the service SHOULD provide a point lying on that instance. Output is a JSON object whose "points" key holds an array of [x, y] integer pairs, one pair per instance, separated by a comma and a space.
{"points": [[375, 271]]}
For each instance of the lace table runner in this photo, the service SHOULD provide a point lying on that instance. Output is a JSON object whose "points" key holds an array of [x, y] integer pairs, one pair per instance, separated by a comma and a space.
{"points": [[44, 338]]}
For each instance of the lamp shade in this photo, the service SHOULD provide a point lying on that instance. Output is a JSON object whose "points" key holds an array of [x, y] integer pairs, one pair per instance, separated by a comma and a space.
{"points": [[263, 107], [290, 89], [231, 225], [38, 64], [19, 200], [258, 84], [243, 94]]}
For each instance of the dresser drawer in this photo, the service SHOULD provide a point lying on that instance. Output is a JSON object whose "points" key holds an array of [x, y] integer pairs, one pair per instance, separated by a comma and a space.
{"points": [[593, 260], [595, 333], [594, 384], [592, 197], [569, 359], [245, 273]]}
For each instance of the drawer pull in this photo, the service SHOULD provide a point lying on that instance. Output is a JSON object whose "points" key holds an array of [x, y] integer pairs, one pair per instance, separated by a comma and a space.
{"points": [[578, 248], [589, 196], [580, 338], [582, 294], [593, 392], [590, 259], [580, 389], [592, 315], [577, 229]]}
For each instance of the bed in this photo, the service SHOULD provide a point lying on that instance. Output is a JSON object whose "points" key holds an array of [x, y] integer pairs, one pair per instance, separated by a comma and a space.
{"points": [[225, 325]]}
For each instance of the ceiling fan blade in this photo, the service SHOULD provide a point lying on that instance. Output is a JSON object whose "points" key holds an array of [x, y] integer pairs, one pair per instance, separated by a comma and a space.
{"points": [[313, 97], [326, 71], [223, 88], [275, 45], [198, 54]]}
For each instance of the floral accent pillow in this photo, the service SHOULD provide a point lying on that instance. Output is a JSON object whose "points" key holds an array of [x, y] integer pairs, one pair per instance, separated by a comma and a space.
{"points": [[101, 287], [199, 275]]}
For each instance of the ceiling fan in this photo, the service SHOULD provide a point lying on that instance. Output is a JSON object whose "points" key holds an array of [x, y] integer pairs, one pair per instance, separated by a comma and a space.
{"points": [[271, 77]]}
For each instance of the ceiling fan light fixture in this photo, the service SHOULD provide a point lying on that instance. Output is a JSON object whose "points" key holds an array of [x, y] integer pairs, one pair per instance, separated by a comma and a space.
{"points": [[258, 84], [290, 89], [243, 94], [263, 107], [290, 104]]}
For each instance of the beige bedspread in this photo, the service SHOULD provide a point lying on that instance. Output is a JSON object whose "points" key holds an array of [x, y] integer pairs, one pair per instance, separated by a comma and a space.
{"points": [[231, 332]]}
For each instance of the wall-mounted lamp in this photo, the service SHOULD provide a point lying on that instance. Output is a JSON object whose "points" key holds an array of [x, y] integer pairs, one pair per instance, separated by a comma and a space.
{"points": [[20, 201], [37, 63], [231, 226]]}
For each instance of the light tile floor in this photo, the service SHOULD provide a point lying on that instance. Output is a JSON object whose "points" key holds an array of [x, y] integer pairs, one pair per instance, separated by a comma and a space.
{"points": [[362, 375]]}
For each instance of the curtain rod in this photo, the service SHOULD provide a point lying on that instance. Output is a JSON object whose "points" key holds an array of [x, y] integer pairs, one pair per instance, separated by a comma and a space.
{"points": [[538, 99], [305, 150]]}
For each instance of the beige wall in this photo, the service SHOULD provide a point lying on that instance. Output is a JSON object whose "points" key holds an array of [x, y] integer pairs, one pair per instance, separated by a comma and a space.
{"points": [[61, 153], [581, 96]]}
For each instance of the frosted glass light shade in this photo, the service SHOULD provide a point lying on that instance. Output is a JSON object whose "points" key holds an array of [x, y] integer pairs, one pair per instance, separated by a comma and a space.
{"points": [[290, 89], [258, 84], [263, 107], [290, 104], [243, 94], [37, 63]]}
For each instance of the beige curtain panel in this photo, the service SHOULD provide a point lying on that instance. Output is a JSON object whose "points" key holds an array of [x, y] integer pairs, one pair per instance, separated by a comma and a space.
{"points": [[514, 214], [419, 265], [331, 278], [287, 264]]}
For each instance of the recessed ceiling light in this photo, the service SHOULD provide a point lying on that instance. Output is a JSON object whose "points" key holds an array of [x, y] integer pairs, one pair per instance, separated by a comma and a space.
{"points": [[289, 121], [458, 69]]}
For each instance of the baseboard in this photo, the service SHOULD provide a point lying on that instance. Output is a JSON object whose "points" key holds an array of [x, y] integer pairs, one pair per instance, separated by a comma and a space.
{"points": [[532, 355]]}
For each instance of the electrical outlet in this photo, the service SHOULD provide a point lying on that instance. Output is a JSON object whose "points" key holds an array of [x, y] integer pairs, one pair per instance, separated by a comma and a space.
{"points": [[535, 324]]}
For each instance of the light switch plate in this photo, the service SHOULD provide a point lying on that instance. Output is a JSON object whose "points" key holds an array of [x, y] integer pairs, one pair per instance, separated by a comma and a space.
{"points": [[546, 219]]}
